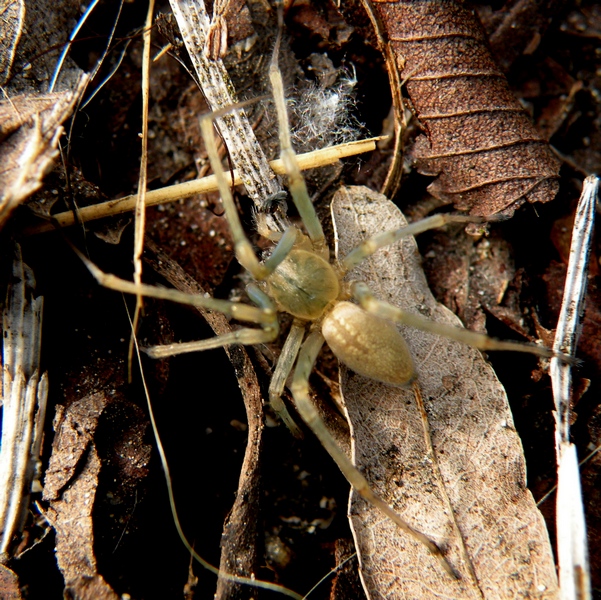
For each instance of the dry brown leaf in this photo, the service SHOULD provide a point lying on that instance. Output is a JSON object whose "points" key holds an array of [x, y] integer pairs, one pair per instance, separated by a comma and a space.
{"points": [[70, 487], [479, 142], [469, 494], [12, 15], [477, 277], [30, 129], [9, 584], [31, 119]]}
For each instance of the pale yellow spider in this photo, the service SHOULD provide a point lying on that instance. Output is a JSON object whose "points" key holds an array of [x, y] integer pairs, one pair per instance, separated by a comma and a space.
{"points": [[298, 278]]}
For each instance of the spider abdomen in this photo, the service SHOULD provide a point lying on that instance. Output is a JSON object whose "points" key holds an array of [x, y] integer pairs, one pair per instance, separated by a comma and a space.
{"points": [[303, 285], [368, 344]]}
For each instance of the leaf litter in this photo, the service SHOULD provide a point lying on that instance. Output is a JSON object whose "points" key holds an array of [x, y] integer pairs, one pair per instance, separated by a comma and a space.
{"points": [[478, 141], [210, 374]]}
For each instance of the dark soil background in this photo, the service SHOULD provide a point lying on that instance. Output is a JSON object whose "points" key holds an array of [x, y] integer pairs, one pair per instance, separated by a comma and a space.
{"points": [[199, 410]]}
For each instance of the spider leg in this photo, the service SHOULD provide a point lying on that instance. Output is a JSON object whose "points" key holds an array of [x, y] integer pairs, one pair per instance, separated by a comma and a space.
{"points": [[243, 248], [280, 374], [296, 182], [264, 314], [300, 390], [477, 340], [380, 240], [242, 312], [245, 337]]}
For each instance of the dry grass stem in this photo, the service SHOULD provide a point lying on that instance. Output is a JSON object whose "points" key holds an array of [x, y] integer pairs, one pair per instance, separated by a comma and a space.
{"points": [[574, 570], [180, 191]]}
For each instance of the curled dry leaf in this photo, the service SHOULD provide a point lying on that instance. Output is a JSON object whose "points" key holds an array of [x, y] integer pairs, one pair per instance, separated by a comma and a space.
{"points": [[479, 141], [31, 119], [23, 399], [30, 127], [454, 469]]}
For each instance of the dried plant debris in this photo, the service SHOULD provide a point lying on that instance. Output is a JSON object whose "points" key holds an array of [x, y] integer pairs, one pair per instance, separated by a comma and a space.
{"points": [[31, 118], [12, 15], [479, 142], [30, 128], [9, 585], [477, 278], [246, 154], [454, 465], [36, 34], [574, 570], [70, 488], [23, 401], [230, 23]]}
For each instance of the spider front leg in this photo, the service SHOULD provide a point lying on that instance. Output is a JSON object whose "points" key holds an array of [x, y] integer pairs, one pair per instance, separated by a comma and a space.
{"points": [[243, 248], [371, 245], [296, 182], [264, 314], [364, 297]]}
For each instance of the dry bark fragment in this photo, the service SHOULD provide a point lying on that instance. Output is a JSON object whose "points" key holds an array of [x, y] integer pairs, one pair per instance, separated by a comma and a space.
{"points": [[239, 538], [70, 487], [479, 142], [9, 584]]}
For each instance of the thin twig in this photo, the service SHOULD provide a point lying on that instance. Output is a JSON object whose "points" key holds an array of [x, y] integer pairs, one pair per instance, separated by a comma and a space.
{"points": [[181, 191]]}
